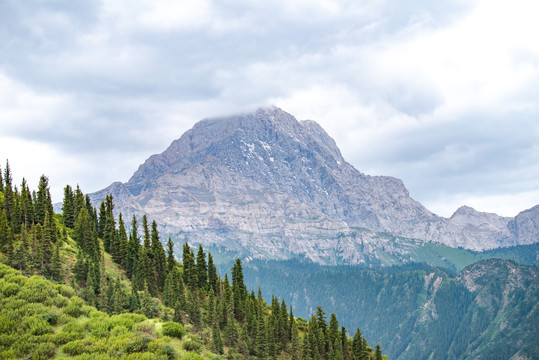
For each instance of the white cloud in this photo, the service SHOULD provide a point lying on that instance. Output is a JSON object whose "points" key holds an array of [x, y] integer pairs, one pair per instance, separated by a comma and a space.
{"points": [[441, 94]]}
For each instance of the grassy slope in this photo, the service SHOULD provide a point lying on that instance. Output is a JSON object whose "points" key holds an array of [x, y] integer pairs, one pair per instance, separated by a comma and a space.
{"points": [[41, 320]]}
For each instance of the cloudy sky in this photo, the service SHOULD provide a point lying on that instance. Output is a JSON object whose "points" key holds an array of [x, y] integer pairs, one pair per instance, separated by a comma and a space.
{"points": [[442, 94]]}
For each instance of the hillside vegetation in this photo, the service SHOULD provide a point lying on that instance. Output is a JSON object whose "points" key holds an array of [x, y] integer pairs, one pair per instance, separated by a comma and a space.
{"points": [[79, 285]]}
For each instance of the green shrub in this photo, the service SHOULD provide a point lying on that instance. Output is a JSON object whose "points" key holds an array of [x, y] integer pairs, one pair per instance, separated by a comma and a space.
{"points": [[141, 356], [127, 320], [8, 288], [38, 290], [64, 319], [36, 326], [44, 351], [7, 325], [17, 279], [5, 271], [63, 337], [60, 301], [94, 357], [139, 344], [74, 326], [7, 355], [51, 318], [145, 328], [86, 310], [98, 326], [7, 340], [167, 351], [65, 290], [119, 330], [77, 347], [191, 344], [192, 356], [117, 345], [173, 329], [75, 307]]}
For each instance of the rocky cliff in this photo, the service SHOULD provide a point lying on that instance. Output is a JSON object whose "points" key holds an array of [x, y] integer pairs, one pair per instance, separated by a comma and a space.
{"points": [[270, 186]]}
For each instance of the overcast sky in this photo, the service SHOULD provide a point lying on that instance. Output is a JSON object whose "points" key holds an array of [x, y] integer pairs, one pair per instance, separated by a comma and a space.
{"points": [[442, 94]]}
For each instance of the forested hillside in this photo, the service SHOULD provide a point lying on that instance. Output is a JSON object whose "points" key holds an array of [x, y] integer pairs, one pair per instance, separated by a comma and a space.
{"points": [[490, 310], [80, 284]]}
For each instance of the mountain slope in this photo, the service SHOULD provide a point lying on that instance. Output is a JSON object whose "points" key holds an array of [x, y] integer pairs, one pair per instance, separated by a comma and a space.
{"points": [[489, 311], [270, 186]]}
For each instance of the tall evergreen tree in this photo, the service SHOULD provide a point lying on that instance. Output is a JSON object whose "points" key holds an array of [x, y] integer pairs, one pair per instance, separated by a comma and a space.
{"points": [[43, 204], [146, 230], [120, 256], [103, 215], [158, 257], [78, 202], [131, 259], [202, 269], [68, 207], [189, 269], [8, 193], [27, 206], [171, 262], [212, 274], [378, 353], [56, 263]]}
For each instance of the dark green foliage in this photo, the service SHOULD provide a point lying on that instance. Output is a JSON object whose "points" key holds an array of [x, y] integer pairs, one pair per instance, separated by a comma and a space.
{"points": [[202, 269], [173, 329], [68, 207]]}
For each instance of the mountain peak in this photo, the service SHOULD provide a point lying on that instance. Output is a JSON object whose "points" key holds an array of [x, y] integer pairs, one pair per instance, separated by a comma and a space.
{"points": [[276, 187]]}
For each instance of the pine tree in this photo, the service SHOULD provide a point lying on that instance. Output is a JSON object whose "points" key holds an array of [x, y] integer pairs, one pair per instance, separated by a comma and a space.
{"points": [[357, 345], [131, 259], [1, 182], [202, 269], [56, 263], [123, 243], [80, 269], [295, 341], [68, 207], [159, 258], [102, 219], [333, 330], [78, 202], [8, 193], [217, 341], [5, 231], [27, 207], [84, 234], [147, 239], [212, 274], [378, 353], [89, 291], [43, 204], [261, 339], [171, 262], [189, 269], [20, 255]]}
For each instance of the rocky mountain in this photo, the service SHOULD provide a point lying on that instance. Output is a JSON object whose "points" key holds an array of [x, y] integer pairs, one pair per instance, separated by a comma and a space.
{"points": [[268, 186], [488, 311]]}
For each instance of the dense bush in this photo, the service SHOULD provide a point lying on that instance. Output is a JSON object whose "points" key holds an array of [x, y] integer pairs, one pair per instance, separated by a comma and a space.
{"points": [[192, 356], [75, 307], [173, 329], [138, 344], [190, 343], [44, 351]]}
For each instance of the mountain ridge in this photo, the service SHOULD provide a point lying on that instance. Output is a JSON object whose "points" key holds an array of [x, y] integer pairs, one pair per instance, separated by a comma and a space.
{"points": [[275, 186]]}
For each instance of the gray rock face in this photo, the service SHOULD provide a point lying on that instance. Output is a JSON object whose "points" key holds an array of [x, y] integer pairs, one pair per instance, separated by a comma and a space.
{"points": [[270, 186]]}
